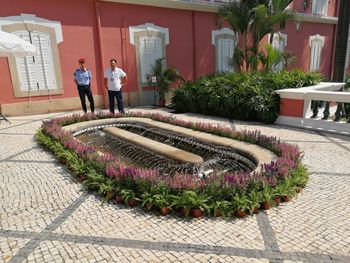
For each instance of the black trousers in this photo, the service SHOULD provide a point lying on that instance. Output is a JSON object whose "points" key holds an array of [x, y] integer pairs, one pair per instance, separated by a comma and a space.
{"points": [[118, 95], [84, 90]]}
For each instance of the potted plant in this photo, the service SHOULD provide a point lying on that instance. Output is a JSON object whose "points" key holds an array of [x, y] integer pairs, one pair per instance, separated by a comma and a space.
{"points": [[188, 200], [164, 77], [241, 204], [286, 189], [107, 189], [117, 197], [148, 200], [94, 180], [128, 197], [219, 208], [255, 198], [277, 193], [266, 198], [164, 202]]}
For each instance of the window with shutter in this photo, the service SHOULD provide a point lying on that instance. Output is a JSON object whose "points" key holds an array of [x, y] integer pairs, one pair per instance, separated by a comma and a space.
{"points": [[225, 41], [320, 7], [225, 54], [150, 50], [37, 72], [316, 45], [44, 61], [26, 67]]}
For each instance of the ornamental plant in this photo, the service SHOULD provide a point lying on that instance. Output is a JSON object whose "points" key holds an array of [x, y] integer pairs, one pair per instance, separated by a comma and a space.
{"points": [[105, 174], [244, 96]]}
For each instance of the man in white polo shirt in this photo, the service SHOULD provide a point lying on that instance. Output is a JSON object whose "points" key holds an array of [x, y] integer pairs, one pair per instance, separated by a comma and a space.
{"points": [[113, 82]]}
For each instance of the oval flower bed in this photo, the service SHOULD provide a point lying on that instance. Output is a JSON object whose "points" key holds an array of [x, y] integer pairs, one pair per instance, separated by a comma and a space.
{"points": [[221, 194]]}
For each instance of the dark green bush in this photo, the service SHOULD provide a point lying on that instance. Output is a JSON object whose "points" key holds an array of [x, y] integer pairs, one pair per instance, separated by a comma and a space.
{"points": [[243, 96]]}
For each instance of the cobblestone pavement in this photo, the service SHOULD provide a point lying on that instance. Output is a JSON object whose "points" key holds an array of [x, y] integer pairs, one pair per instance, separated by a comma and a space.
{"points": [[46, 216]]}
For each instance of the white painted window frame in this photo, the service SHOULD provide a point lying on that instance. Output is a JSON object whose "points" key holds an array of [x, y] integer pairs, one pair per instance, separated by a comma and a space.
{"points": [[42, 75], [149, 29], [53, 33], [315, 62], [316, 4], [216, 36], [34, 20]]}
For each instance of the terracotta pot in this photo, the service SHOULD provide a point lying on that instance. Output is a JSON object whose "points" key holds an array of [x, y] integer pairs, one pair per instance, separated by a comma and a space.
{"points": [[277, 200], [148, 207], [218, 212], [82, 178], [285, 198], [132, 202], [162, 103], [63, 161], [164, 211], [196, 213], [185, 212], [265, 205], [240, 213], [109, 195], [118, 199]]}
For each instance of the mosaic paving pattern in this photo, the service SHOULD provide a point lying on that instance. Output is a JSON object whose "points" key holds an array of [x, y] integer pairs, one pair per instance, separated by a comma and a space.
{"points": [[46, 216]]}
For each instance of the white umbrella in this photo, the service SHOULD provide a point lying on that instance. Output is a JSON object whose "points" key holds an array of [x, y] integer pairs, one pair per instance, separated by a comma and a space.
{"points": [[11, 44]]}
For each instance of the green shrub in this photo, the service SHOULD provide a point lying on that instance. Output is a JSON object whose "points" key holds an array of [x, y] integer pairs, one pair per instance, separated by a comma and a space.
{"points": [[243, 96]]}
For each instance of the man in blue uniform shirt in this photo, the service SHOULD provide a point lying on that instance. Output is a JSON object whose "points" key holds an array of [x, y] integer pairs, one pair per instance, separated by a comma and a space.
{"points": [[82, 77]]}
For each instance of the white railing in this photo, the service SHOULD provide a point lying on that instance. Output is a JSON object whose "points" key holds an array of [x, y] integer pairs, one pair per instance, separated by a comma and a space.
{"points": [[299, 100]]}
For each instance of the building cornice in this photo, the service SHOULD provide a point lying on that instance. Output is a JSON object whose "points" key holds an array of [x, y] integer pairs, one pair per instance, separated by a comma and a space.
{"points": [[317, 19], [194, 5]]}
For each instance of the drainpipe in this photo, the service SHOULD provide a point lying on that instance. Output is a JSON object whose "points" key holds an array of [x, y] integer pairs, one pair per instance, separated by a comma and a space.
{"points": [[331, 68], [124, 51], [100, 51], [194, 47]]}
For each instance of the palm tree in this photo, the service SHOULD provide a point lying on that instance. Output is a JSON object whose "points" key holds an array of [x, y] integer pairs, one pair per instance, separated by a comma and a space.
{"points": [[254, 19], [164, 78], [273, 59]]}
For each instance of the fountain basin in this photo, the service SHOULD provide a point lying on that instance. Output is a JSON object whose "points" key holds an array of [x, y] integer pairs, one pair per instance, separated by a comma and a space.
{"points": [[160, 148], [255, 153]]}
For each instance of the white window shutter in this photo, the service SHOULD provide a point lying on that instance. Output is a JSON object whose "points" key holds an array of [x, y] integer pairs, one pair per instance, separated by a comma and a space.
{"points": [[26, 67], [320, 7], [150, 50], [324, 7], [316, 45], [36, 73], [225, 54], [44, 61], [314, 7]]}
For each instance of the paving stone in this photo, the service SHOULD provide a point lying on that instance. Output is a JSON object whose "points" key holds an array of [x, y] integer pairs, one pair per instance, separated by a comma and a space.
{"points": [[119, 222], [9, 246], [35, 190], [95, 253]]}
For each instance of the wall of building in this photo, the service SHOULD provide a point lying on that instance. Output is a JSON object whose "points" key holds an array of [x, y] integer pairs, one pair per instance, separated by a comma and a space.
{"points": [[190, 48], [298, 43], [79, 40]]}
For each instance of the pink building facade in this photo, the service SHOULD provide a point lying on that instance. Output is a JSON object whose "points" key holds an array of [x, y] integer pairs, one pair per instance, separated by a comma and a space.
{"points": [[182, 32]]}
